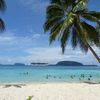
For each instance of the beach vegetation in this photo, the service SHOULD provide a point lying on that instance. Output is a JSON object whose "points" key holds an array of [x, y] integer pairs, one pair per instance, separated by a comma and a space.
{"points": [[73, 23], [2, 8]]}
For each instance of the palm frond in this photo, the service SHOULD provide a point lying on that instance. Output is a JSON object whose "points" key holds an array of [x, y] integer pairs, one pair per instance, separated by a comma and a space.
{"points": [[64, 39], [55, 1], [2, 5], [64, 2], [2, 25], [80, 34], [54, 10], [74, 38], [67, 23], [95, 14], [91, 33], [80, 5], [51, 22], [98, 27], [54, 7], [92, 16], [82, 46], [54, 31]]}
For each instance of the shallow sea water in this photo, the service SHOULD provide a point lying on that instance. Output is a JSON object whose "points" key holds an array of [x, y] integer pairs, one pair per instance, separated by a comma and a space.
{"points": [[34, 74]]}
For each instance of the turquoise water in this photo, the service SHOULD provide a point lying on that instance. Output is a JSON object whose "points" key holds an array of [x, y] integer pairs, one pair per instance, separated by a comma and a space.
{"points": [[31, 74]]}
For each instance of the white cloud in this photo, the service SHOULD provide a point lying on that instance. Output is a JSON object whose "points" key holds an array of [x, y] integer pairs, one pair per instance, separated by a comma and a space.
{"points": [[51, 55], [5, 39], [54, 54], [36, 36], [9, 38], [34, 50]]}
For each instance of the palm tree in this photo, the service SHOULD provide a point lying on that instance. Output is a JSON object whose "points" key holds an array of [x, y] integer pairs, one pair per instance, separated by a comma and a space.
{"points": [[2, 8], [70, 21]]}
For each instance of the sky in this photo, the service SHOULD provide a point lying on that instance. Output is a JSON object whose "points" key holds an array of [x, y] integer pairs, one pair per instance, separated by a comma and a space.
{"points": [[24, 40]]}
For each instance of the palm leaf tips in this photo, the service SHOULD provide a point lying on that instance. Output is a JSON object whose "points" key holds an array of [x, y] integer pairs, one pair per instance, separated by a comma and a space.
{"points": [[2, 5], [2, 8], [2, 25]]}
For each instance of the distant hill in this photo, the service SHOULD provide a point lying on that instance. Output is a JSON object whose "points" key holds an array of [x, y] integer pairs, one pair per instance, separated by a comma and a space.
{"points": [[70, 63], [19, 64], [33, 63], [16, 64], [60, 63]]}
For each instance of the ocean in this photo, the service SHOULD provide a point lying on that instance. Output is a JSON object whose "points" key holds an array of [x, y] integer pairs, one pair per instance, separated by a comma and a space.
{"points": [[43, 74]]}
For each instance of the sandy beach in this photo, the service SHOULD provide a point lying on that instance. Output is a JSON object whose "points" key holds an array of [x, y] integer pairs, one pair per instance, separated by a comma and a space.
{"points": [[51, 91]]}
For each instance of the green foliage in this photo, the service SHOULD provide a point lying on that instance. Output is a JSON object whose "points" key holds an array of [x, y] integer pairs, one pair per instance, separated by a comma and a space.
{"points": [[98, 28], [91, 15], [91, 33], [2, 8], [55, 30], [80, 35], [80, 5], [64, 39], [65, 18], [74, 38], [2, 25], [2, 5]]}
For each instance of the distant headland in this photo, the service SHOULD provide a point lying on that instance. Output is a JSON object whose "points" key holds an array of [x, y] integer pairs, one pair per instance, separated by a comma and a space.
{"points": [[19, 64], [38, 63], [16, 64], [69, 63], [60, 63]]}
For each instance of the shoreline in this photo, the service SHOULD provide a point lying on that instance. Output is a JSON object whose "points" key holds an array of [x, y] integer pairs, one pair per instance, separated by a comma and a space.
{"points": [[33, 83]]}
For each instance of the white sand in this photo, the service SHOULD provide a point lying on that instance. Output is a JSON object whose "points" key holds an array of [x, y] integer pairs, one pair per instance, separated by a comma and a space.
{"points": [[52, 91]]}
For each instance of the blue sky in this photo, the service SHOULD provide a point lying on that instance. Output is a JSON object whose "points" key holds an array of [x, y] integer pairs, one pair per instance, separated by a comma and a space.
{"points": [[24, 39]]}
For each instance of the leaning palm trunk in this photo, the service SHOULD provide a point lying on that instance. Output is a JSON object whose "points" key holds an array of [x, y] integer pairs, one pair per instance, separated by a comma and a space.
{"points": [[88, 46], [94, 53]]}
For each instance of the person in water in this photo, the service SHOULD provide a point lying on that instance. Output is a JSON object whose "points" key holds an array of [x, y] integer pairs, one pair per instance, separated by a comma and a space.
{"points": [[26, 73]]}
